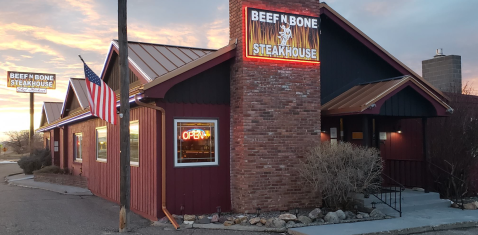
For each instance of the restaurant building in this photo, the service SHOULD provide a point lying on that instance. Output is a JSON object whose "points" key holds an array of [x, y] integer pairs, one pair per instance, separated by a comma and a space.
{"points": [[233, 124]]}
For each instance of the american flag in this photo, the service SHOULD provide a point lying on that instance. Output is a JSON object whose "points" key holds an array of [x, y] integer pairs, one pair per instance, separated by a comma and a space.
{"points": [[102, 99]]}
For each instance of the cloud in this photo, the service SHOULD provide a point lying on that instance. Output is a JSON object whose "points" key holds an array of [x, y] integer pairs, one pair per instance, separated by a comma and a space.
{"points": [[218, 34]]}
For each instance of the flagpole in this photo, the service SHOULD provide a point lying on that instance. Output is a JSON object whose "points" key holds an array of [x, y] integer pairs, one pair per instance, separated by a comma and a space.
{"points": [[124, 118]]}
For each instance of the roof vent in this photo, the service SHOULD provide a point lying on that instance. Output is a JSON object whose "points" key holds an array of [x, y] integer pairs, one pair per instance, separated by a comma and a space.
{"points": [[439, 52]]}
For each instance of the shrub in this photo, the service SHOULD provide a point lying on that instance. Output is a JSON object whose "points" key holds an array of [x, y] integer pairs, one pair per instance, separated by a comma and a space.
{"points": [[51, 170], [339, 170], [35, 161]]}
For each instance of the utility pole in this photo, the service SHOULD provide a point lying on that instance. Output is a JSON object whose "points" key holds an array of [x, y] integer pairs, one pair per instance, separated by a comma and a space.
{"points": [[124, 118], [30, 139]]}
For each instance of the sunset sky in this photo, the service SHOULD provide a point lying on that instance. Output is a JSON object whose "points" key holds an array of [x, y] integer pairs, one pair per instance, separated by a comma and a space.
{"points": [[47, 36]]}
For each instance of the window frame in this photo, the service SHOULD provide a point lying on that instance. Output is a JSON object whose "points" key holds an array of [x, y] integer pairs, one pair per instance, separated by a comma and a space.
{"points": [[132, 163], [75, 146], [216, 142], [96, 143]]}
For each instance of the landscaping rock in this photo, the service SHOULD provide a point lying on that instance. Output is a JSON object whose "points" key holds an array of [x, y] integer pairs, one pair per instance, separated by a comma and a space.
{"points": [[228, 223], [365, 215], [278, 223], [237, 221], [178, 216], [255, 220], [349, 215], [215, 218], [230, 218], [223, 219], [288, 217], [188, 222], [376, 213], [476, 203], [290, 224], [203, 220], [321, 220], [189, 217], [316, 214], [305, 219], [340, 214], [201, 217], [164, 220], [269, 222], [359, 216], [259, 224], [331, 217], [263, 221], [469, 206]]}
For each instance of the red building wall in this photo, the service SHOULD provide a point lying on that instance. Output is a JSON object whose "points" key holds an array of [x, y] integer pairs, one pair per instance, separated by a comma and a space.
{"points": [[197, 189], [103, 177]]}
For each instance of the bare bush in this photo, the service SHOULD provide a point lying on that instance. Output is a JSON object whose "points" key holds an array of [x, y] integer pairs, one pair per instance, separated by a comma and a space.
{"points": [[339, 170], [19, 141], [453, 147]]}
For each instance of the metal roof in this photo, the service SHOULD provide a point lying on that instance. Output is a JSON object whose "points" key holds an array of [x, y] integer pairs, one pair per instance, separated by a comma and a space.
{"points": [[79, 86], [359, 98], [52, 111], [154, 60]]}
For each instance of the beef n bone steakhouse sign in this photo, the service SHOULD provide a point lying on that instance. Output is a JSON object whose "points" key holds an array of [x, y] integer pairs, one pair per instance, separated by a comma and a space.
{"points": [[31, 82], [281, 36]]}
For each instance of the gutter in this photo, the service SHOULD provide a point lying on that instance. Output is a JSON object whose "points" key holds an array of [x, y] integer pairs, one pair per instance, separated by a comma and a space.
{"points": [[163, 158]]}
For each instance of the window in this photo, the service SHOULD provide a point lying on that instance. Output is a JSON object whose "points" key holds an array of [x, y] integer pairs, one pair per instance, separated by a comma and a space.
{"points": [[77, 143], [101, 141], [134, 142], [196, 142]]}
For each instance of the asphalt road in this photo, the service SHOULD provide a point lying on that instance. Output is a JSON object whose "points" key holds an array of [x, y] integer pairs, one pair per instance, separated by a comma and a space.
{"points": [[25, 211]]}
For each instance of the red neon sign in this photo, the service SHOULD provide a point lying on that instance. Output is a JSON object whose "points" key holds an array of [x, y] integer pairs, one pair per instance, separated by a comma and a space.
{"points": [[194, 134]]}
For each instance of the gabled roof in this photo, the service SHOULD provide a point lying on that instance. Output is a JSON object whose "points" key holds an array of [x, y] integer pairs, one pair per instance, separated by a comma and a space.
{"points": [[78, 85], [375, 47], [154, 60], [51, 111], [365, 96], [159, 87]]}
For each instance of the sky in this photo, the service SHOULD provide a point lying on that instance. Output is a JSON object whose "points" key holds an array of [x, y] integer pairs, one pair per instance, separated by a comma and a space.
{"points": [[47, 36]]}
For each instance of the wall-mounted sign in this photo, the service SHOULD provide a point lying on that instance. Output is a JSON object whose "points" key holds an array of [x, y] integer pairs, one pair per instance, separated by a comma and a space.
{"points": [[383, 135], [357, 135], [333, 132], [31, 82], [281, 36], [196, 134]]}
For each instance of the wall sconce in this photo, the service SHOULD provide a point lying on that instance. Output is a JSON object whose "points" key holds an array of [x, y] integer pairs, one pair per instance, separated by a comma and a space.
{"points": [[258, 211], [399, 132], [296, 212]]}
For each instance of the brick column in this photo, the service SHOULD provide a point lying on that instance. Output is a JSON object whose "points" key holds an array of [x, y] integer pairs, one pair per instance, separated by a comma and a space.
{"points": [[275, 118]]}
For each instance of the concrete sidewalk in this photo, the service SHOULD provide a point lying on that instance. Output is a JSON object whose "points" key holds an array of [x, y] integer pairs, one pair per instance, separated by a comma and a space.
{"points": [[27, 181], [438, 218]]}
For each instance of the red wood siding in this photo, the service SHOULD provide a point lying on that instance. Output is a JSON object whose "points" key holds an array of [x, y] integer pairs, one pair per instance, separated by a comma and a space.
{"points": [[199, 189], [103, 177]]}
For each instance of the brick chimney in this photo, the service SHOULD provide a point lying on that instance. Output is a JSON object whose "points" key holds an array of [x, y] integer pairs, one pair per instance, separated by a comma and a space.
{"points": [[443, 72], [275, 119]]}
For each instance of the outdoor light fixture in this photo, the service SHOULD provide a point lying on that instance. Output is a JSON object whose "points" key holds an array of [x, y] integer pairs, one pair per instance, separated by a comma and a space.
{"points": [[399, 132], [218, 211], [296, 212], [258, 211]]}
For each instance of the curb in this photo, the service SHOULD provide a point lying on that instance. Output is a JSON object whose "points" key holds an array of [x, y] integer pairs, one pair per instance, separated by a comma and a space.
{"points": [[423, 229], [32, 187], [222, 227]]}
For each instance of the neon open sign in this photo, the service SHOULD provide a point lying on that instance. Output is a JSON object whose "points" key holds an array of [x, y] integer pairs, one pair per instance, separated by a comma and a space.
{"points": [[196, 134]]}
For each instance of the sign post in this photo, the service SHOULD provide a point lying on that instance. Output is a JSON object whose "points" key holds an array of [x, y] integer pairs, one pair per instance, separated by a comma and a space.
{"points": [[27, 82]]}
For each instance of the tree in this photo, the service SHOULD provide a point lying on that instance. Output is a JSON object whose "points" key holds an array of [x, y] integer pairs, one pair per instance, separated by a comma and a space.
{"points": [[19, 141], [453, 147]]}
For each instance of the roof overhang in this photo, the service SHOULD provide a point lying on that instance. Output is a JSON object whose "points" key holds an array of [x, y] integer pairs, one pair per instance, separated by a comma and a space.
{"points": [[369, 98], [375, 47], [159, 86]]}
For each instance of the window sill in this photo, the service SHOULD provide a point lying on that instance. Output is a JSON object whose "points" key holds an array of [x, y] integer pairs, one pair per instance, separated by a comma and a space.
{"points": [[78, 161], [135, 164], [101, 160]]}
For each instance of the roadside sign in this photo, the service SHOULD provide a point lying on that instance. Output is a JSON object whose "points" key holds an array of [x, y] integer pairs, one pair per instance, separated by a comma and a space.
{"points": [[4, 149], [30, 90], [27, 82]]}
